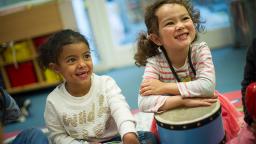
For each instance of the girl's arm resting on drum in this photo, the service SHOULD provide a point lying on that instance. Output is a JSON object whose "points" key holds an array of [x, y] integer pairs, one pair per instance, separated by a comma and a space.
{"points": [[202, 87], [156, 87], [178, 101], [171, 103], [151, 103]]}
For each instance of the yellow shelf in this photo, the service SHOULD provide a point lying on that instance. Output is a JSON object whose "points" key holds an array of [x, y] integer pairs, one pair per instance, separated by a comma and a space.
{"points": [[30, 87], [24, 23]]}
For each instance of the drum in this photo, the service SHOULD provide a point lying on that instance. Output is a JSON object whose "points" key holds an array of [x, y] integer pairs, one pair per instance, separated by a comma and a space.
{"points": [[199, 125]]}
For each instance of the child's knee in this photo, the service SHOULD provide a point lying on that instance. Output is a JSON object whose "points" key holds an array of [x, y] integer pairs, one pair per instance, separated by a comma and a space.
{"points": [[146, 137]]}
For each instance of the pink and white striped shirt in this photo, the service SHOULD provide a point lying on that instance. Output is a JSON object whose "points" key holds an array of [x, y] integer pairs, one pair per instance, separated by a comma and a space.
{"points": [[203, 84]]}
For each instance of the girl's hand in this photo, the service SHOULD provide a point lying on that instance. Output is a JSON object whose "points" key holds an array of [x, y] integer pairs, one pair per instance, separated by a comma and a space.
{"points": [[178, 101], [196, 102], [130, 138], [152, 87]]}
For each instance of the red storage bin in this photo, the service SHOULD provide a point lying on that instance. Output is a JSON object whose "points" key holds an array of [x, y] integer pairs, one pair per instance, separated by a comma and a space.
{"points": [[40, 40], [24, 74]]}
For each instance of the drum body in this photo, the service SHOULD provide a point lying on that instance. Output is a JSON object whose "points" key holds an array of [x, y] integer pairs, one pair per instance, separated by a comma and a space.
{"points": [[200, 125]]}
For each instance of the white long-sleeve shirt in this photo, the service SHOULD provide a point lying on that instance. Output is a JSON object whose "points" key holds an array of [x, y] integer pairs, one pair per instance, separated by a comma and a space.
{"points": [[203, 84], [98, 116]]}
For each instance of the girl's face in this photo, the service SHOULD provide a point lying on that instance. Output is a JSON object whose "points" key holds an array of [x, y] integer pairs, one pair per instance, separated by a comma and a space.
{"points": [[176, 28], [75, 64]]}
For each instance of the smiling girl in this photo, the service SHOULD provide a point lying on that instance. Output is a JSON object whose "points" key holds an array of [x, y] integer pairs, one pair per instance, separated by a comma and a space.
{"points": [[85, 107], [179, 71]]}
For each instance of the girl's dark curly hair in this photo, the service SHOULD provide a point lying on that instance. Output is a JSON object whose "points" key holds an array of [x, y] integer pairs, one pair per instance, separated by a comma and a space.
{"points": [[50, 51], [147, 48]]}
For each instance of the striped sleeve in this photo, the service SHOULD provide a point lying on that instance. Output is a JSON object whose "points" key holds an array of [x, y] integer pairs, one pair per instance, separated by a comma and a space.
{"points": [[204, 82], [151, 69], [153, 102]]}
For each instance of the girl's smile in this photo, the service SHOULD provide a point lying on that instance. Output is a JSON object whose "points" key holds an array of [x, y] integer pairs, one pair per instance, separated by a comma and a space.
{"points": [[182, 36]]}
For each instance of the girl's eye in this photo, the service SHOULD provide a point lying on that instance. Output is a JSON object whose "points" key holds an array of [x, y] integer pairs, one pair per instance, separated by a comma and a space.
{"points": [[186, 18], [71, 60], [87, 56], [170, 23]]}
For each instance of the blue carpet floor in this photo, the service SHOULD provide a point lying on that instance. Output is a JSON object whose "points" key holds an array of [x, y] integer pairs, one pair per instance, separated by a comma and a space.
{"points": [[229, 63]]}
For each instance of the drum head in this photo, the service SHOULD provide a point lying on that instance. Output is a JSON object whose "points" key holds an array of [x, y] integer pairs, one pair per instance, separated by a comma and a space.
{"points": [[182, 116]]}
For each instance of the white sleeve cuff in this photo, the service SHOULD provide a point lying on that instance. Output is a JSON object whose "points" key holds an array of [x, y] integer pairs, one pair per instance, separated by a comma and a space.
{"points": [[126, 127]]}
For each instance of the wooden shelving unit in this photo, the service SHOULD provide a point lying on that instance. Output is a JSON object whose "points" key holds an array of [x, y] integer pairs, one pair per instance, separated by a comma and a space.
{"points": [[24, 24]]}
